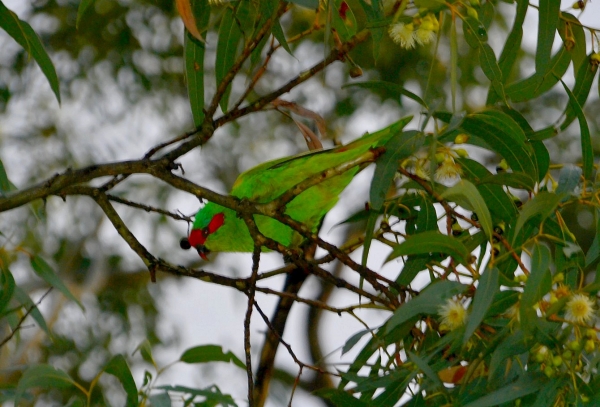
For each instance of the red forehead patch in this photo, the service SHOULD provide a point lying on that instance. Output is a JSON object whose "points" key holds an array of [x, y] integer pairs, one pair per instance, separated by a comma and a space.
{"points": [[198, 236]]}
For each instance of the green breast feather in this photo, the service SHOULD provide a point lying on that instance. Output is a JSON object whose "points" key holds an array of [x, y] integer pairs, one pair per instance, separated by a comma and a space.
{"points": [[270, 180]]}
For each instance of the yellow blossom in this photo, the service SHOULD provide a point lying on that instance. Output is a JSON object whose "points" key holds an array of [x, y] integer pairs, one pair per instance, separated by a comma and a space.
{"points": [[448, 169], [423, 36], [425, 33], [403, 34], [580, 309], [453, 314], [561, 291], [421, 169]]}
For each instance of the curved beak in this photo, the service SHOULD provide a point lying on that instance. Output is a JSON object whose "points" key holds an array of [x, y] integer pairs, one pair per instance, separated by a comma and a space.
{"points": [[202, 251]]}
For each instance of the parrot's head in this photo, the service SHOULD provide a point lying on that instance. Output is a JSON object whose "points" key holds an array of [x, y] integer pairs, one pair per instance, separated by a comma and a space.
{"points": [[215, 229], [199, 237]]}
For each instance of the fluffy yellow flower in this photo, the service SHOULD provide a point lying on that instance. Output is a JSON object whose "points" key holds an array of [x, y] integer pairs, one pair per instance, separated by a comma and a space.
{"points": [[580, 309], [448, 169], [423, 36], [403, 34], [453, 314], [422, 168]]}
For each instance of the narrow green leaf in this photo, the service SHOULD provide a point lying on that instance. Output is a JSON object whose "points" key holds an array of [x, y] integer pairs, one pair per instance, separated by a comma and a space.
{"points": [[583, 85], [77, 401], [374, 381], [568, 179], [361, 359], [353, 340], [510, 346], [426, 216], [389, 88], [540, 207], [23, 298], [453, 63], [526, 384], [544, 134], [594, 251], [569, 24], [83, 6], [486, 290], [359, 216], [343, 20], [393, 392], [431, 242], [312, 4], [490, 68], [374, 13], [587, 150], [511, 48], [426, 303], [503, 300], [228, 43], [542, 158], [280, 37], [46, 272], [475, 32], [212, 394], [538, 283], [549, 11], [549, 393], [339, 397], [160, 400], [432, 5], [194, 62], [517, 180], [118, 367], [369, 230], [5, 184], [504, 136], [22, 32], [194, 73], [145, 350], [426, 369], [466, 195], [499, 203], [412, 266], [44, 376], [398, 148], [7, 287], [210, 353], [540, 82]]}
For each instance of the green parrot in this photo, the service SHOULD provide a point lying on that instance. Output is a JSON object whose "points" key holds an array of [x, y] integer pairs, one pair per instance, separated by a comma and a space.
{"points": [[219, 229]]}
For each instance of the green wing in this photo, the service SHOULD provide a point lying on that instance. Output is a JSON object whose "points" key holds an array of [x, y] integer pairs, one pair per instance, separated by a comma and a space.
{"points": [[271, 179]]}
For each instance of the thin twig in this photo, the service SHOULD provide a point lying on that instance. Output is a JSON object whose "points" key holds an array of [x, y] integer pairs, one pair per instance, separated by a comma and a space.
{"points": [[24, 317], [251, 292]]}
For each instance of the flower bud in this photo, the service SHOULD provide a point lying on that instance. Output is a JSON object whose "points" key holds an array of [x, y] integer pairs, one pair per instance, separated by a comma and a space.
{"points": [[589, 346], [471, 12]]}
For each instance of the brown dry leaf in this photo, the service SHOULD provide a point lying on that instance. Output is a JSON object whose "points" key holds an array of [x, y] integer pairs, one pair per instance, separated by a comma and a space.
{"points": [[312, 140], [452, 374], [301, 111], [187, 16]]}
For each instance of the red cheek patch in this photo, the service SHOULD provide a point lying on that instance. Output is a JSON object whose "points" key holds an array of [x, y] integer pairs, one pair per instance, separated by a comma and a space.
{"points": [[198, 236]]}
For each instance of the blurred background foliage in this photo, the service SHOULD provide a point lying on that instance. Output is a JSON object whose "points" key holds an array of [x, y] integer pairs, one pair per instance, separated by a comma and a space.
{"points": [[123, 91]]}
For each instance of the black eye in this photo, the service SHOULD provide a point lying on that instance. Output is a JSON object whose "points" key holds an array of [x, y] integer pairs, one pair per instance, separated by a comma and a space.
{"points": [[205, 232], [184, 243]]}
